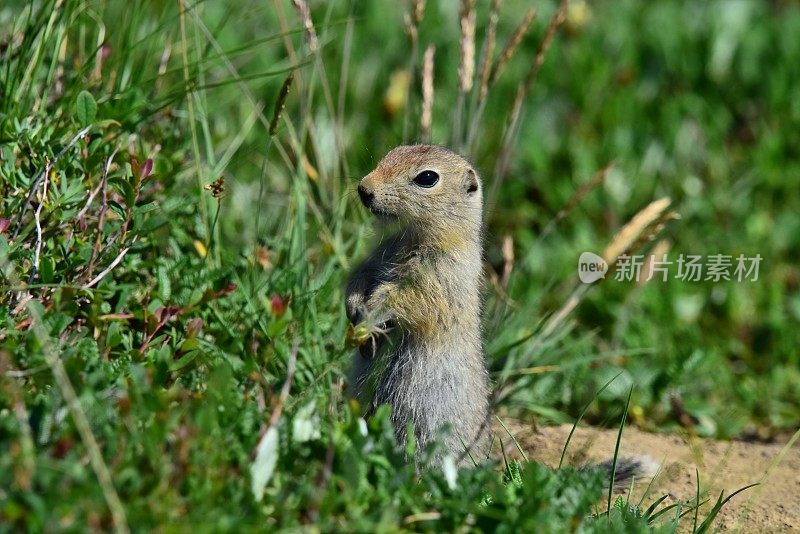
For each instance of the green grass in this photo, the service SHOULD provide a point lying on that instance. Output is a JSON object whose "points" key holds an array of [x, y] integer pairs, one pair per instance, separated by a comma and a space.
{"points": [[179, 353]]}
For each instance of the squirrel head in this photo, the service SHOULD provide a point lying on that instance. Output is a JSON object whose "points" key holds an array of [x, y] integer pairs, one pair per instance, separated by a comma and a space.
{"points": [[428, 188]]}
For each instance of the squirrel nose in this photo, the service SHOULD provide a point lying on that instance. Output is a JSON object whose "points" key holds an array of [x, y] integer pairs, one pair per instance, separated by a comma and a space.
{"points": [[366, 196]]}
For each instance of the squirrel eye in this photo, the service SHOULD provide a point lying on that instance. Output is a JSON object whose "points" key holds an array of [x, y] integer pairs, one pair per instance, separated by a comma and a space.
{"points": [[426, 179]]}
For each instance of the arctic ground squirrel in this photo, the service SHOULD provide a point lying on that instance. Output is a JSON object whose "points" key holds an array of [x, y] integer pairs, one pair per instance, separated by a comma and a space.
{"points": [[418, 294]]}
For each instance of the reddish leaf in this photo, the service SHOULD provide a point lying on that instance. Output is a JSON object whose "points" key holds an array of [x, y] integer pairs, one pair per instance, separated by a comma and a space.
{"points": [[124, 404], [278, 305], [62, 447], [165, 313], [193, 327], [210, 294], [147, 168]]}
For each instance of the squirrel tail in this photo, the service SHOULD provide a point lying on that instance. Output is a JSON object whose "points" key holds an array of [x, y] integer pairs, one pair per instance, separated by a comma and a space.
{"points": [[628, 470]]}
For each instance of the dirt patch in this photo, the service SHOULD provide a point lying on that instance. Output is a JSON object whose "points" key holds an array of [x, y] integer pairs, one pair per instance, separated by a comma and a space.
{"points": [[773, 506]]}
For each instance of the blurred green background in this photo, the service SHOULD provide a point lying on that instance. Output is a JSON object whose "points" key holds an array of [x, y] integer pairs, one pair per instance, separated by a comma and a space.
{"points": [[178, 354]]}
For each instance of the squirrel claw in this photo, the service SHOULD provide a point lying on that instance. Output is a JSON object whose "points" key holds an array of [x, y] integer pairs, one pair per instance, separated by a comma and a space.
{"points": [[369, 348]]}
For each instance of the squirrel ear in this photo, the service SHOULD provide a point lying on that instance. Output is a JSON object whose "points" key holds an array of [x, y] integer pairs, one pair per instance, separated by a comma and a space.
{"points": [[470, 181]]}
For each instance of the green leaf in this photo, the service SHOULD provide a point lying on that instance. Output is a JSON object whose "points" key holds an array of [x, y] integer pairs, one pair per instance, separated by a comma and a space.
{"points": [[146, 208], [190, 344], [124, 188], [113, 337], [47, 269], [117, 208], [85, 108], [184, 360], [164, 284]]}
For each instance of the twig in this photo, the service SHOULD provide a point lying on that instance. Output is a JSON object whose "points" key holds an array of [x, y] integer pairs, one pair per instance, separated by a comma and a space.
{"points": [[107, 246], [37, 217], [110, 267], [102, 217], [89, 200], [35, 184]]}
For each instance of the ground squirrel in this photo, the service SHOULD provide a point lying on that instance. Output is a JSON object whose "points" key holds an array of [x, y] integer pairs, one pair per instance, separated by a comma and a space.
{"points": [[418, 293]]}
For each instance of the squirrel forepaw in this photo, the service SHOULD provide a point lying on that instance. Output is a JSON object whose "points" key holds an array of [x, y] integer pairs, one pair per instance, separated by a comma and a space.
{"points": [[369, 348]]}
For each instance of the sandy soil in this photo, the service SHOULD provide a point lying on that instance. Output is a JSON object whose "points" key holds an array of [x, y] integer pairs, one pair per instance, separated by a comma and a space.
{"points": [[773, 506]]}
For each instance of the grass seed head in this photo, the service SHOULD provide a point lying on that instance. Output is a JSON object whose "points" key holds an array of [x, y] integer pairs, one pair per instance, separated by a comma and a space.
{"points": [[466, 68]]}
